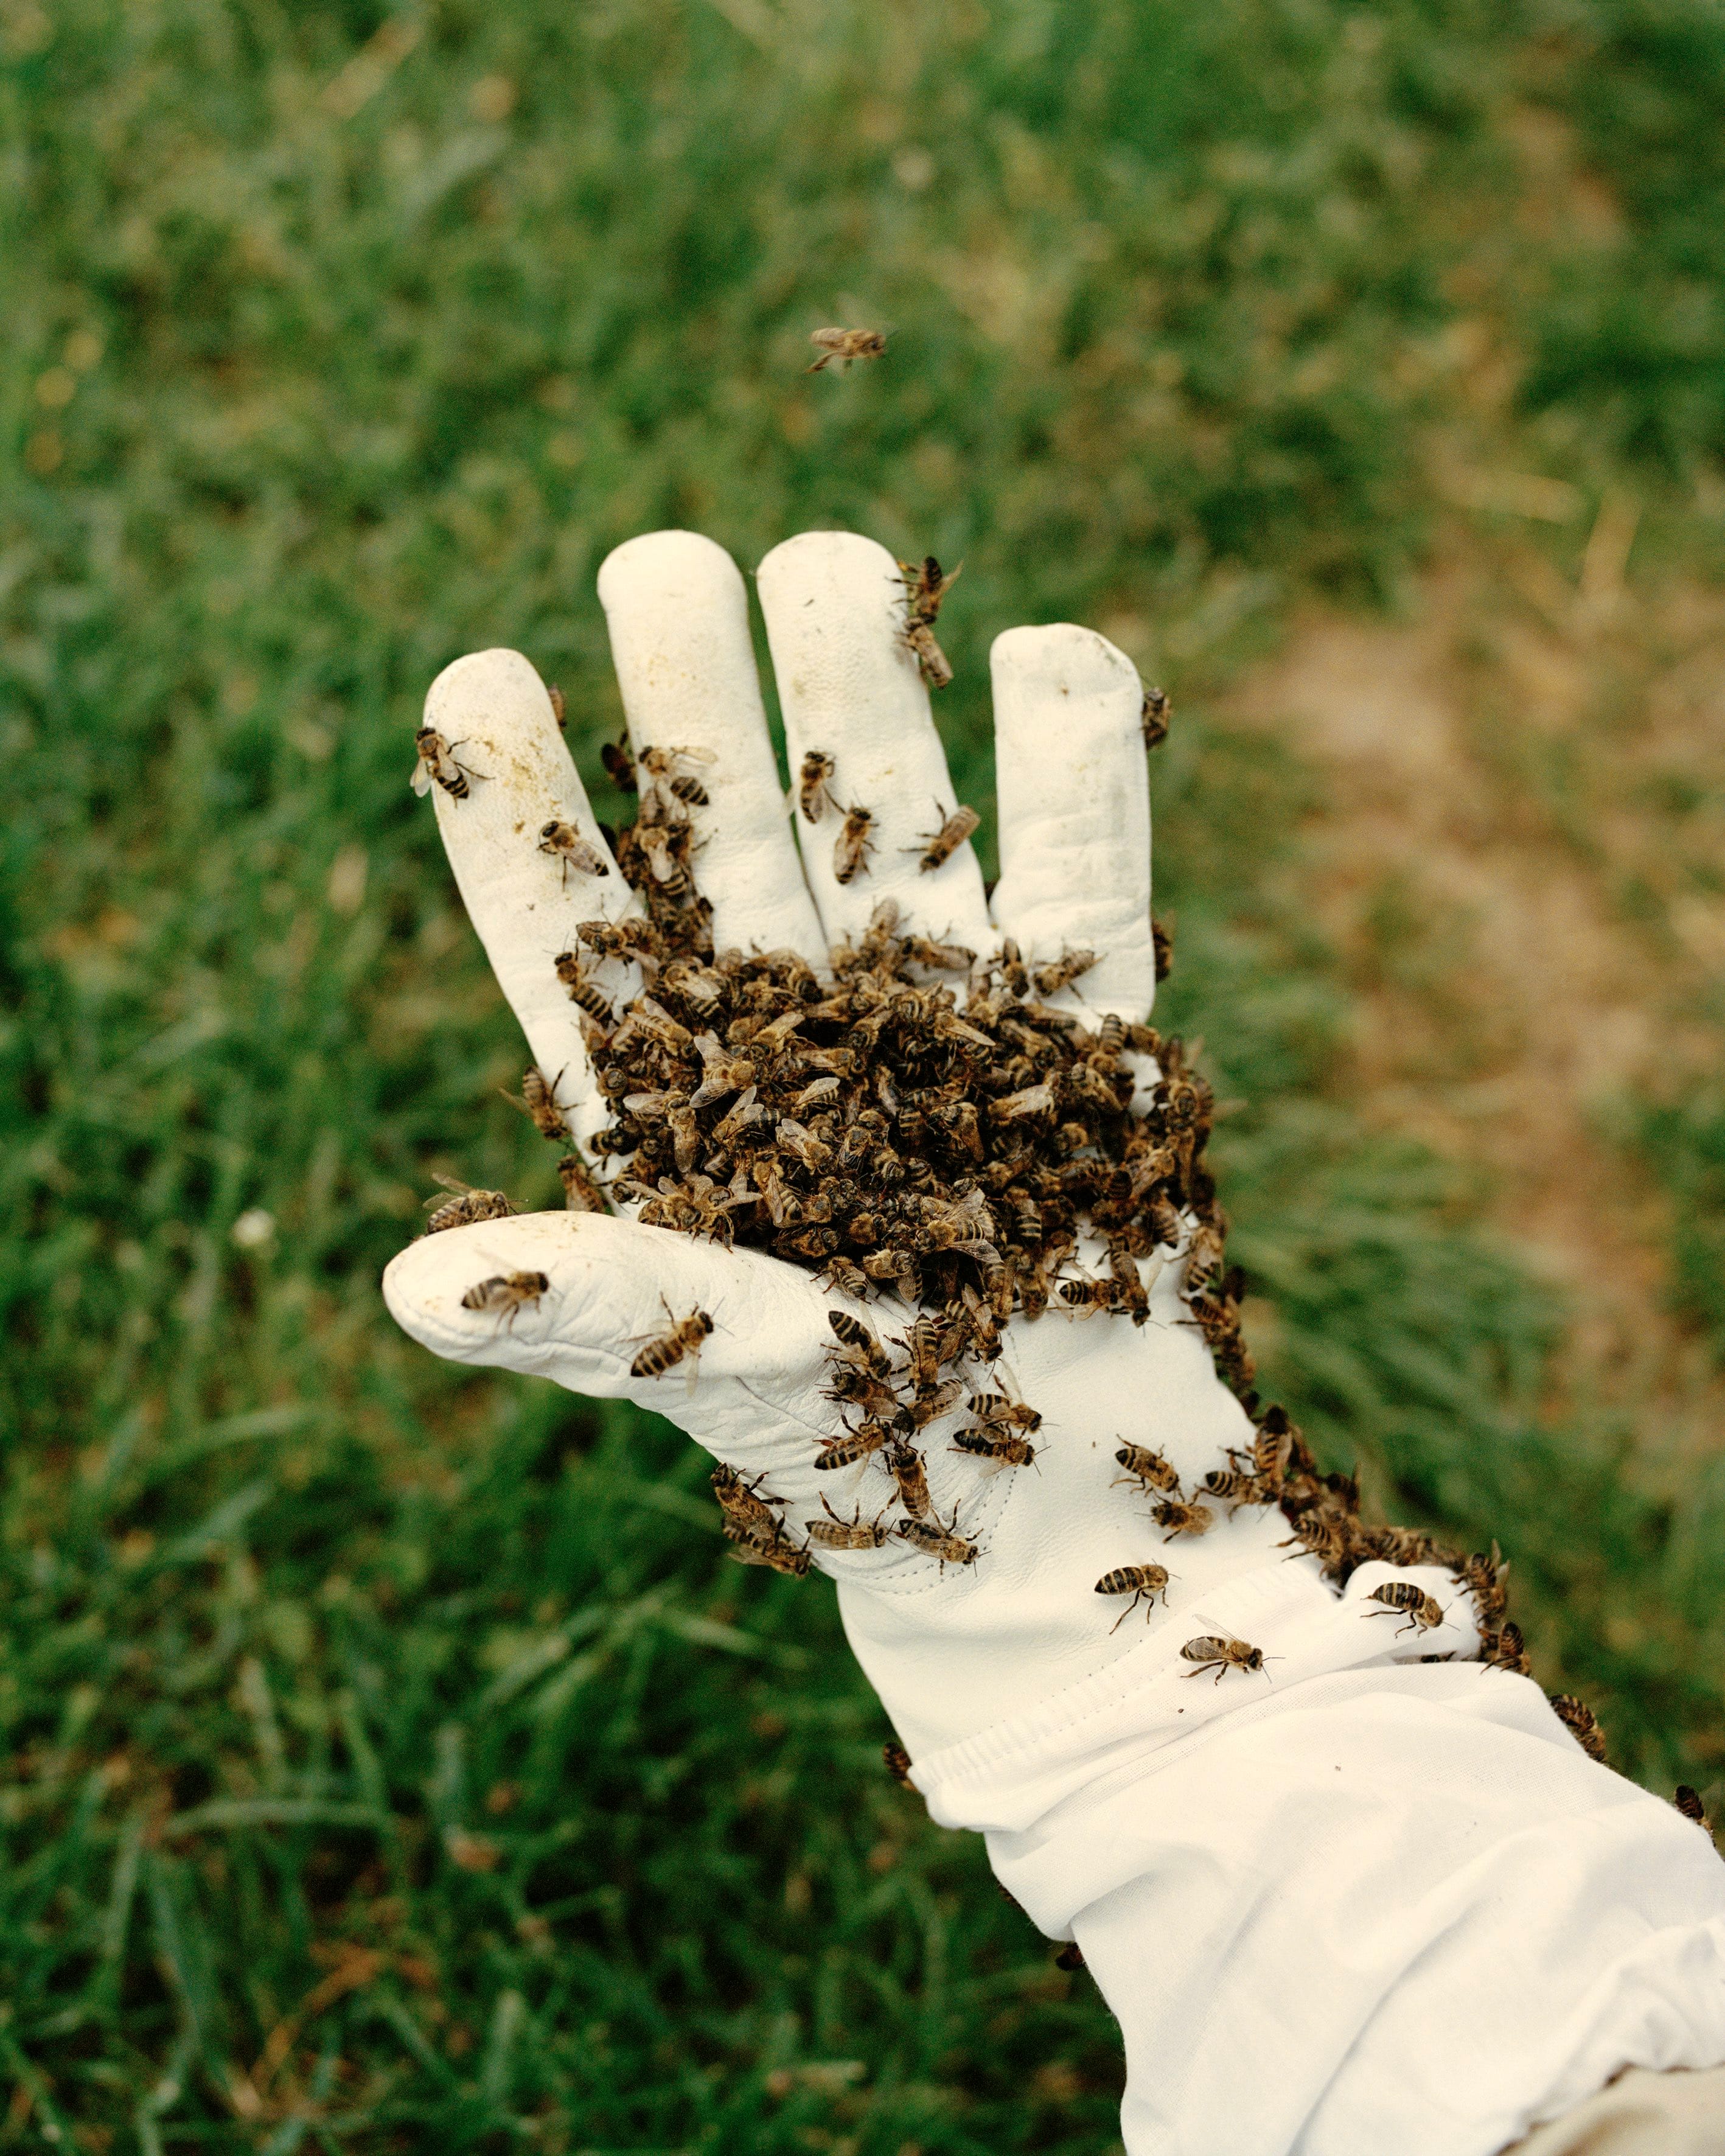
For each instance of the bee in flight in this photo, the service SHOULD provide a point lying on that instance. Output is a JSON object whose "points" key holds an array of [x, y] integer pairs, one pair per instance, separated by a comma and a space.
{"points": [[840, 346], [438, 762]]}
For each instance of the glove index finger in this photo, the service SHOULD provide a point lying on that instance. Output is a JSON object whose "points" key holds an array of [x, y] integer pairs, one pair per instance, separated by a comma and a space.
{"points": [[529, 858], [607, 1306]]}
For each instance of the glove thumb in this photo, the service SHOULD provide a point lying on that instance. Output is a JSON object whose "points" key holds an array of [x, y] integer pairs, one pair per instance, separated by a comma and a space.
{"points": [[607, 1306]]}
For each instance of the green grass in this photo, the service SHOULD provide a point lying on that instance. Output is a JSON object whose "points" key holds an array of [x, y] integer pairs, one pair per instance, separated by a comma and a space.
{"points": [[423, 1708]]}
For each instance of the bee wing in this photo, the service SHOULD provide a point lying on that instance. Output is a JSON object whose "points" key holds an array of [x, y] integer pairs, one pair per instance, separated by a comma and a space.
{"points": [[422, 779]]}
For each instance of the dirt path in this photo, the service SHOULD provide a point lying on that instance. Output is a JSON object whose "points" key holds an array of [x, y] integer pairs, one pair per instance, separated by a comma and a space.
{"points": [[1521, 857]]}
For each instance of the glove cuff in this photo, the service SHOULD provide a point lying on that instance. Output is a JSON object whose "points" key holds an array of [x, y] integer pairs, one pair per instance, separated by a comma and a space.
{"points": [[1369, 1902]]}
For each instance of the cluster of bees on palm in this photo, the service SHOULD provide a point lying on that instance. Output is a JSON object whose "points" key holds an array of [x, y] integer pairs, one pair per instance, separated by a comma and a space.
{"points": [[929, 1123]]}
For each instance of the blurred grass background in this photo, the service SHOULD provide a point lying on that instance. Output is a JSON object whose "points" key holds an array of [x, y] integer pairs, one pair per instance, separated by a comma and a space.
{"points": [[393, 1761]]}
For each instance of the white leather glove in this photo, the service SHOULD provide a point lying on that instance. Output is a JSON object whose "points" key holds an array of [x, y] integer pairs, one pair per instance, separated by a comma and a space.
{"points": [[1356, 1897]]}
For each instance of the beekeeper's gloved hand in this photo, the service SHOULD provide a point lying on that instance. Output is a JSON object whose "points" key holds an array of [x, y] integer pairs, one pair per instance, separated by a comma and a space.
{"points": [[1355, 1899]]}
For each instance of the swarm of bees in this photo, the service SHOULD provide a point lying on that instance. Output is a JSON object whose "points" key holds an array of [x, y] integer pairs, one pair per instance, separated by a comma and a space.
{"points": [[924, 1123]]}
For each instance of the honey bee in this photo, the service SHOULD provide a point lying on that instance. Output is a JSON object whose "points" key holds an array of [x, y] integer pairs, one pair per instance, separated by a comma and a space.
{"points": [[1404, 1598], [756, 1545], [1142, 1582], [1577, 1718], [505, 1295], [666, 1350], [1148, 1469], [666, 847], [938, 1540], [743, 1110], [924, 588], [465, 1207], [1688, 1802], [581, 1193], [559, 709], [859, 1444], [1315, 1536], [1087, 1296], [1506, 1649], [905, 1464], [1003, 1408], [802, 1144], [854, 1533], [583, 992], [566, 845], [1062, 973], [1175, 1517], [661, 764], [938, 847], [538, 1098], [938, 957], [984, 1326], [848, 1277], [1212, 1651], [438, 761], [897, 1762], [860, 1341], [1159, 710], [812, 783], [634, 937], [1234, 1488], [649, 1019], [1131, 1294], [741, 1499], [620, 764], [922, 1347], [840, 347], [1030, 1103], [990, 1442], [959, 1129], [1162, 945], [685, 1127], [928, 1407], [705, 991], [936, 667], [850, 854]]}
